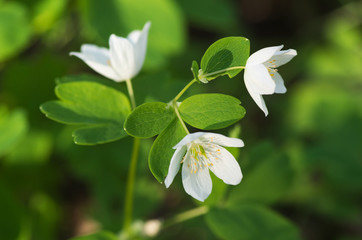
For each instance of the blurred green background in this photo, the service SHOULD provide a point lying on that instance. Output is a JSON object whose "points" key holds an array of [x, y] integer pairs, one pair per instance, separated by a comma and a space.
{"points": [[304, 160]]}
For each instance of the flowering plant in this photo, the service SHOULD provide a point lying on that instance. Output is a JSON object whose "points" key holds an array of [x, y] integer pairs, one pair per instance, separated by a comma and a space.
{"points": [[106, 114]]}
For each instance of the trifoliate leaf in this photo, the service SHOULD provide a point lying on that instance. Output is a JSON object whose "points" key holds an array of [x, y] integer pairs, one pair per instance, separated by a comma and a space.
{"points": [[99, 109]]}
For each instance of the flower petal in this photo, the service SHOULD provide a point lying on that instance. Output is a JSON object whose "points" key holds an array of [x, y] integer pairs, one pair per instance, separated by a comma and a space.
{"points": [[141, 47], [280, 88], [259, 77], [97, 58], [225, 166], [134, 36], [199, 184], [175, 165], [262, 55], [258, 99], [222, 140], [188, 138], [122, 56], [283, 57]]}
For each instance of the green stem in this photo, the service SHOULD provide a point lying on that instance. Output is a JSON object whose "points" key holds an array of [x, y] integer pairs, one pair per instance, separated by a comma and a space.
{"points": [[128, 203], [184, 90], [175, 107], [130, 186], [186, 216], [222, 70], [131, 94]]}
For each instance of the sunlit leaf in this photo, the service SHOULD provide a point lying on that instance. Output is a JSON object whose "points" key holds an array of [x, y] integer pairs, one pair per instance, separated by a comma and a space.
{"points": [[225, 53], [211, 111], [100, 110], [149, 119]]}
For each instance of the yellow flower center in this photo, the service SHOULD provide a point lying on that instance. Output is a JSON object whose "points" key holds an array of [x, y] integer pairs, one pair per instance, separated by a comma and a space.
{"points": [[198, 158]]}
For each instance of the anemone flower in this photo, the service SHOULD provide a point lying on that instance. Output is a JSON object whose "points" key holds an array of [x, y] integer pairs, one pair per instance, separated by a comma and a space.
{"points": [[200, 152], [261, 76], [124, 58]]}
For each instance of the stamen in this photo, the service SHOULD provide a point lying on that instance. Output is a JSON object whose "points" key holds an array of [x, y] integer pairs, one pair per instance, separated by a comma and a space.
{"points": [[197, 157]]}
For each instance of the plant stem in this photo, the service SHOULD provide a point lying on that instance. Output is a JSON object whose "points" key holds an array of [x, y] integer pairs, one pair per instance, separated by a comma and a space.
{"points": [[175, 107], [128, 211], [131, 94], [184, 90], [186, 216], [128, 203], [222, 70]]}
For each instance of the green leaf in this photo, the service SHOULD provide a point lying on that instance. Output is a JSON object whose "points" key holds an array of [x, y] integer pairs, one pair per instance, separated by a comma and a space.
{"points": [[13, 128], [268, 181], [225, 53], [211, 111], [15, 29], [249, 222], [97, 236], [195, 70], [100, 110], [149, 119], [162, 149]]}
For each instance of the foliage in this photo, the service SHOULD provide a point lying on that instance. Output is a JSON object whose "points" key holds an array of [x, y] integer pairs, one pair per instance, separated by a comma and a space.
{"points": [[301, 165]]}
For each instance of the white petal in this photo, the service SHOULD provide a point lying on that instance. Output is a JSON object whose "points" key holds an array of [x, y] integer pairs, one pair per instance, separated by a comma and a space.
{"points": [[225, 167], [283, 57], [141, 47], [262, 55], [101, 52], [188, 138], [98, 59], [198, 184], [258, 99], [222, 140], [122, 56], [175, 165], [134, 36], [259, 77], [280, 88]]}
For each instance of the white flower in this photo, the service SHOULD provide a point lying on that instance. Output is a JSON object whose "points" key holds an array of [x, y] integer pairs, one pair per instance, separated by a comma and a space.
{"points": [[124, 58], [200, 152], [261, 76]]}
